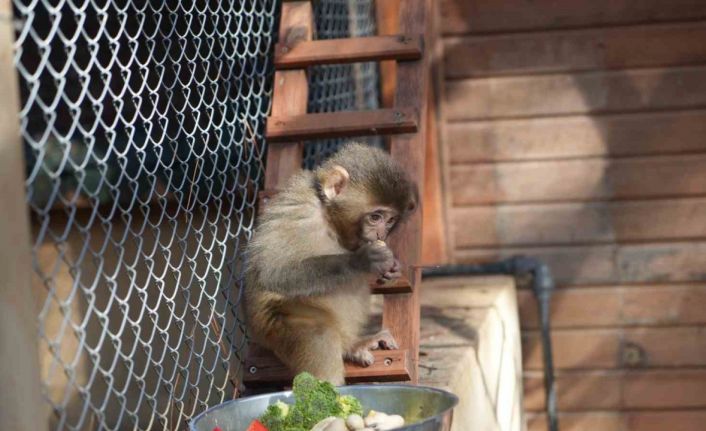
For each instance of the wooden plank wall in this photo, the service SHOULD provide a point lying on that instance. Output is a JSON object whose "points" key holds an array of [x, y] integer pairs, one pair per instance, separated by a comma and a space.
{"points": [[576, 132]]}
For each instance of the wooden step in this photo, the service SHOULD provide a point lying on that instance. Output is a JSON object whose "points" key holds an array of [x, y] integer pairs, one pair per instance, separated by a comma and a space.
{"points": [[400, 285], [296, 128], [263, 368], [302, 54]]}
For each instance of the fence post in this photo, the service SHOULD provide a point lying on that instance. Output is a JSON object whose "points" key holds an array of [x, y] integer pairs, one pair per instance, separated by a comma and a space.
{"points": [[20, 396]]}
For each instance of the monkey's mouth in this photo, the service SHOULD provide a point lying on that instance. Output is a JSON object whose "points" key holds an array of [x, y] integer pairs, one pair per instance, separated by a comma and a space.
{"points": [[364, 242]]}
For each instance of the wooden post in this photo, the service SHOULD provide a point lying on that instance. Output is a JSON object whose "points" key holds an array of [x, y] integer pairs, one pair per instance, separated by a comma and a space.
{"points": [[442, 179], [401, 312], [434, 231], [291, 93], [387, 14], [20, 395]]}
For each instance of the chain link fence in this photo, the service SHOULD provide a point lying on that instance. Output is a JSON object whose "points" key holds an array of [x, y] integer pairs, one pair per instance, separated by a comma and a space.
{"points": [[143, 125]]}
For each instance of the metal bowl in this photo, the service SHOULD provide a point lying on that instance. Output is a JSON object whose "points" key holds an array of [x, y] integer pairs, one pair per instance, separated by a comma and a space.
{"points": [[424, 409]]}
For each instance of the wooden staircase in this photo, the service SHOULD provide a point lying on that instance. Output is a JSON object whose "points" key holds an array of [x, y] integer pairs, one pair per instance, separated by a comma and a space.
{"points": [[404, 123]]}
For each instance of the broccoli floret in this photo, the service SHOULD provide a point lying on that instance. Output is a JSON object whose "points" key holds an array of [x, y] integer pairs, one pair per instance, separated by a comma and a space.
{"points": [[349, 406], [315, 400], [274, 417]]}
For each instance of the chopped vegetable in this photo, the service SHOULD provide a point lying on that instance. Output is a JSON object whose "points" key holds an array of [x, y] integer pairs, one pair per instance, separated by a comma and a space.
{"points": [[274, 416], [355, 422], [350, 405], [255, 425], [331, 423], [382, 421], [314, 401]]}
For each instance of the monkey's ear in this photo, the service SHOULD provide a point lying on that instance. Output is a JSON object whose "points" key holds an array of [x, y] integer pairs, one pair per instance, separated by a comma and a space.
{"points": [[334, 180], [411, 207], [414, 201]]}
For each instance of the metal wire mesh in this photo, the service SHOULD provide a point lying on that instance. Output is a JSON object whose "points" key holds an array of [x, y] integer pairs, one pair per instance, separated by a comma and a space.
{"points": [[342, 87], [143, 123]]}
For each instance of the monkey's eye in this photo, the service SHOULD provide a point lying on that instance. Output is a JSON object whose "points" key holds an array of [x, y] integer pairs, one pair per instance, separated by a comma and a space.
{"points": [[392, 221], [375, 218]]}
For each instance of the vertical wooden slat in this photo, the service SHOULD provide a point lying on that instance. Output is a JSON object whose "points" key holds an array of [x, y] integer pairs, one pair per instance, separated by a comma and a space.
{"points": [[434, 242], [401, 312], [438, 84], [387, 13], [20, 397], [434, 249], [290, 93]]}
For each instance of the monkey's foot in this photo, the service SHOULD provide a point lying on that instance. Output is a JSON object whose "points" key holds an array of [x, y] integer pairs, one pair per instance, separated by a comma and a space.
{"points": [[360, 356], [383, 340], [360, 353]]}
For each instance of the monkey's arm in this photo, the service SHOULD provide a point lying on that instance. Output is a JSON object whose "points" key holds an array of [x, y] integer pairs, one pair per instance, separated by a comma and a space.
{"points": [[317, 275]]}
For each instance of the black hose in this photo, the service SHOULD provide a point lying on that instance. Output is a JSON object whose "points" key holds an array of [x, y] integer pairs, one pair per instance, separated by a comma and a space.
{"points": [[542, 286]]}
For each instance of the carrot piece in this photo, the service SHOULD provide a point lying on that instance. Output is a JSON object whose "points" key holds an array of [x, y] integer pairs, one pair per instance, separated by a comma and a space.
{"points": [[256, 425]]}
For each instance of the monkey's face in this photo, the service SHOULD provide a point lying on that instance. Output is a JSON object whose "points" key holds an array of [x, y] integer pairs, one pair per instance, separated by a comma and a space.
{"points": [[365, 194], [358, 219], [377, 224]]}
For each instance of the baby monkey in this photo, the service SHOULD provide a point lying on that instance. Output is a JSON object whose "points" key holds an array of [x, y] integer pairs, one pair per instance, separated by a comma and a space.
{"points": [[318, 245]]}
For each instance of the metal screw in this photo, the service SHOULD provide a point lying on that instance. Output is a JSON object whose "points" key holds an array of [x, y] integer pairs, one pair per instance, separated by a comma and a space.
{"points": [[633, 355], [388, 362], [253, 370]]}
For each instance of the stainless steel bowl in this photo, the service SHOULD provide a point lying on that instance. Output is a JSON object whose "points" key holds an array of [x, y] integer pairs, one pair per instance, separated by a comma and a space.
{"points": [[424, 409]]}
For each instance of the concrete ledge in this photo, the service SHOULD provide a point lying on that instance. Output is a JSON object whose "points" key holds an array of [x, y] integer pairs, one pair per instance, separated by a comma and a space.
{"points": [[470, 345]]}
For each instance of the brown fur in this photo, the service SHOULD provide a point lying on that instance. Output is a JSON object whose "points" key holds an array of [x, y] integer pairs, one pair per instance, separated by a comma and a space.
{"points": [[307, 295]]}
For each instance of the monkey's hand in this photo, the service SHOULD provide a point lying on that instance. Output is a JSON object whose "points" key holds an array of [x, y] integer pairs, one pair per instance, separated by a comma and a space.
{"points": [[376, 258], [394, 273]]}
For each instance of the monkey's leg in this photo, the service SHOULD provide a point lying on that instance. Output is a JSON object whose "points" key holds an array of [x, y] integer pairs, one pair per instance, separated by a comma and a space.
{"points": [[360, 352], [317, 351]]}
